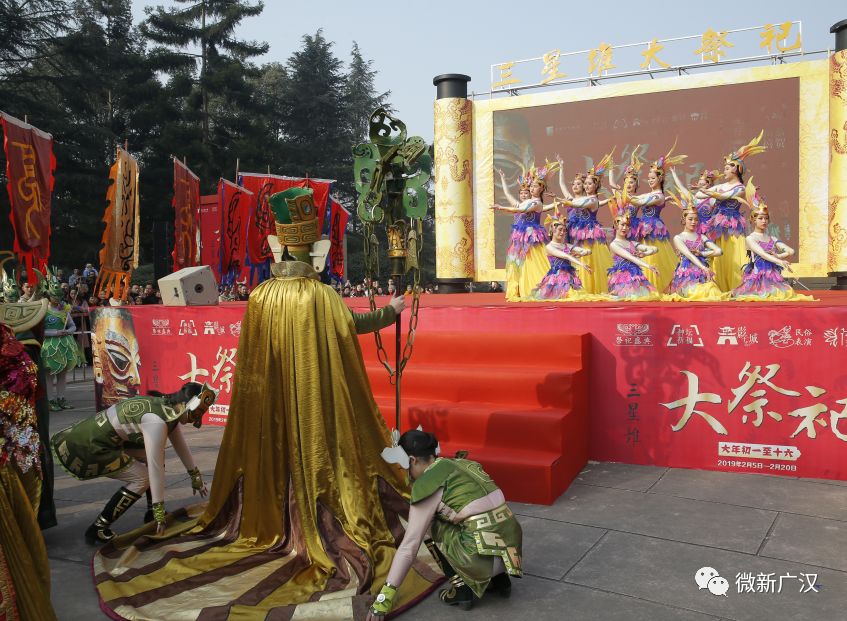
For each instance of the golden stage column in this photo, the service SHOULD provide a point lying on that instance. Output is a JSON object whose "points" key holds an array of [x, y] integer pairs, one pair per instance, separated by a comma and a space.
{"points": [[453, 146], [837, 249]]}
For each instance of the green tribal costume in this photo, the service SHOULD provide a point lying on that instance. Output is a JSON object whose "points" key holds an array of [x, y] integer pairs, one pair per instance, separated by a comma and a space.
{"points": [[469, 545], [92, 448], [60, 353]]}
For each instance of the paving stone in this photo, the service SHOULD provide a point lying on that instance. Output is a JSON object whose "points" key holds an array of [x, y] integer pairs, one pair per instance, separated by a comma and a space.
{"points": [[621, 476], [552, 548], [72, 592], [663, 572], [679, 519], [546, 600], [815, 541], [774, 493]]}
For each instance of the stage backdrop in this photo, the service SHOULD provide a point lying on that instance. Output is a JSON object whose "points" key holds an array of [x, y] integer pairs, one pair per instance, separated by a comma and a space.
{"points": [[743, 388], [710, 114]]}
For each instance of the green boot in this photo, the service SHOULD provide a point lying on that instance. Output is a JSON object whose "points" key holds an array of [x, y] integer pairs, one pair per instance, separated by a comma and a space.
{"points": [[63, 404]]}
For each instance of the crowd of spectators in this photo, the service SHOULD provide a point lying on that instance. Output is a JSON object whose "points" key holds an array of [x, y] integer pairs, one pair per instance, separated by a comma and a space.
{"points": [[79, 289]]}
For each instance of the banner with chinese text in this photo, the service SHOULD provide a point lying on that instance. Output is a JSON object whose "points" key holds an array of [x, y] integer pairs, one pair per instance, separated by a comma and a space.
{"points": [[186, 203], [30, 164], [733, 386]]}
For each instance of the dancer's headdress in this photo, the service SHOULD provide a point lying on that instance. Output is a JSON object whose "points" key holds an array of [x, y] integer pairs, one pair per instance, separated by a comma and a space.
{"points": [[634, 166], [551, 221], [598, 170], [738, 156], [539, 174], [625, 217], [661, 165], [685, 199], [710, 174], [754, 200], [53, 286]]}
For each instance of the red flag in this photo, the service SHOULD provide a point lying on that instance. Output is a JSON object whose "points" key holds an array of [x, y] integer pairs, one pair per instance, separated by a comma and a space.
{"points": [[209, 218], [337, 226], [320, 193], [29, 169], [186, 203], [261, 222], [236, 203]]}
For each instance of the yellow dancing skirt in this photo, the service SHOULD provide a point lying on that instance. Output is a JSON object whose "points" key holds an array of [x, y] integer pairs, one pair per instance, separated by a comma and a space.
{"points": [[600, 260], [704, 292], [520, 281], [776, 296], [664, 260], [727, 267]]}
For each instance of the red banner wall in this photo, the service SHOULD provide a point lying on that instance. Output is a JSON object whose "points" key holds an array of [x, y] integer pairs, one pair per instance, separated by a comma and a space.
{"points": [[736, 387], [29, 169], [186, 203]]}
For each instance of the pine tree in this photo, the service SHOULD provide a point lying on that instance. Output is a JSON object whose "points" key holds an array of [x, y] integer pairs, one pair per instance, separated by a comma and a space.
{"points": [[361, 98], [220, 102]]}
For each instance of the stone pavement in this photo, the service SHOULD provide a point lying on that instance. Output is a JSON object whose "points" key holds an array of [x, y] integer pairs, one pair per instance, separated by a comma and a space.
{"points": [[624, 542]]}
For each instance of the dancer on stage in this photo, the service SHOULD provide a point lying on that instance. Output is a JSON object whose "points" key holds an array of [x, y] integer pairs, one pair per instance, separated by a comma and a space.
{"points": [[651, 228], [617, 206], [626, 278], [526, 259], [705, 203], [60, 352], [127, 442], [762, 274], [478, 538], [304, 517], [727, 223], [586, 232], [561, 281], [692, 279], [24, 568]]}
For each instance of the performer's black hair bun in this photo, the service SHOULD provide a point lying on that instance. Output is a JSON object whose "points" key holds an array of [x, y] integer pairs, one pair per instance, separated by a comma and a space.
{"points": [[419, 443]]}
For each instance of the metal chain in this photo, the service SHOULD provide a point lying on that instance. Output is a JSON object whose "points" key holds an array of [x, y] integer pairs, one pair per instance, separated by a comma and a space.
{"points": [[381, 354]]}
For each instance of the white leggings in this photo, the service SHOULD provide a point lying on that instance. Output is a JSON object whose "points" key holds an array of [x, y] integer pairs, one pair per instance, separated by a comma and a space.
{"points": [[135, 476]]}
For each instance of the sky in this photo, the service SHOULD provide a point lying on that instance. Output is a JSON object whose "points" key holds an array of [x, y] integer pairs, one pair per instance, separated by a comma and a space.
{"points": [[410, 43]]}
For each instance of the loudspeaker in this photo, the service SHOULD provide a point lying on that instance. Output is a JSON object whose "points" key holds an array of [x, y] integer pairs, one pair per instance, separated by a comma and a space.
{"points": [[190, 286]]}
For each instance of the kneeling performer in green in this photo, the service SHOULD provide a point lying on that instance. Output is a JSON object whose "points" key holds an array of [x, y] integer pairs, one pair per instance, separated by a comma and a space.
{"points": [[477, 538], [127, 442]]}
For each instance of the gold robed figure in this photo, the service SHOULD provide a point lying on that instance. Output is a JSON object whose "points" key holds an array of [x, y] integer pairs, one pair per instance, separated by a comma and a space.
{"points": [[303, 511]]}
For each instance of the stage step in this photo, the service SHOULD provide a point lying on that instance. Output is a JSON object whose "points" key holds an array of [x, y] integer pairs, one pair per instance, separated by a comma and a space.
{"points": [[482, 383], [481, 424], [518, 403]]}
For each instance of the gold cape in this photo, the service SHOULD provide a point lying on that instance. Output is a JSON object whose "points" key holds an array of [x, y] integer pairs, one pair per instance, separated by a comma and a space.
{"points": [[304, 516]]}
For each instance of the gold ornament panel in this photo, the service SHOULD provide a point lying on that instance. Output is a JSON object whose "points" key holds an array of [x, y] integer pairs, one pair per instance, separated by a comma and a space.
{"points": [[813, 152], [837, 204], [453, 177]]}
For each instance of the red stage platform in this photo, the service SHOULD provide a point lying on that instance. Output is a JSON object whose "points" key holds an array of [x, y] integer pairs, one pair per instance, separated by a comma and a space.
{"points": [[533, 390]]}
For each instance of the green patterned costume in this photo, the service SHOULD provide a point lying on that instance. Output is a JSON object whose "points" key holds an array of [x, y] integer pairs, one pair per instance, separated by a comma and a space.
{"points": [[92, 448], [60, 353], [469, 545]]}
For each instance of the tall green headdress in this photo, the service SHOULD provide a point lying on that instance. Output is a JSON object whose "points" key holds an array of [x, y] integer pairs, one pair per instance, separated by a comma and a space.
{"points": [[297, 226]]}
